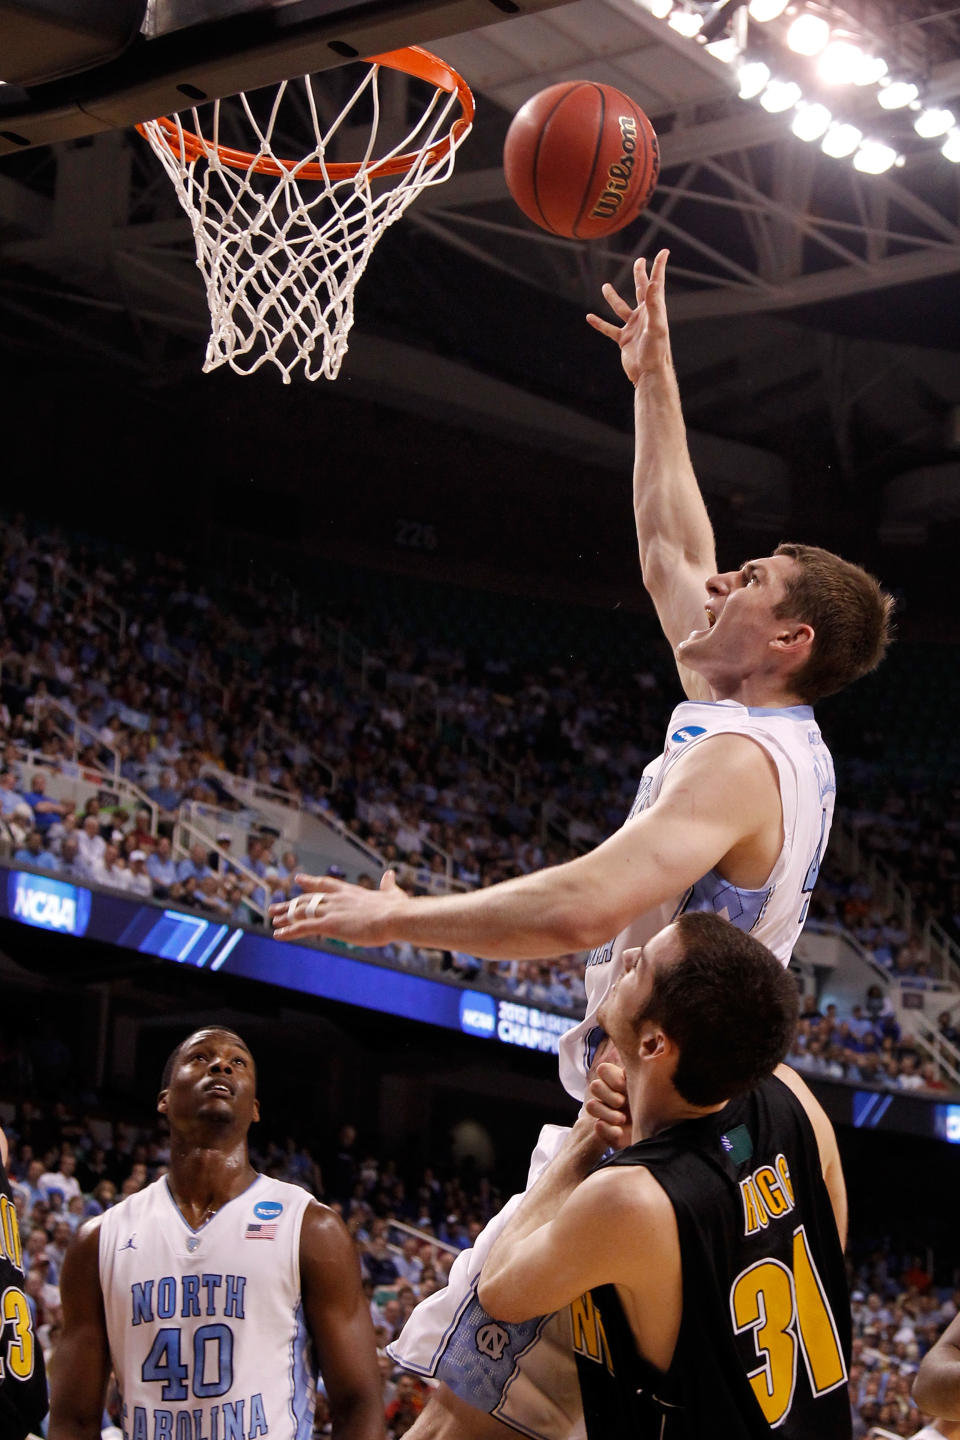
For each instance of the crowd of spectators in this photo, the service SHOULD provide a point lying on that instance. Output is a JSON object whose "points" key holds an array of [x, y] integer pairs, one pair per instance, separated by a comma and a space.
{"points": [[210, 679], [866, 1047], [407, 1230], [898, 1313]]}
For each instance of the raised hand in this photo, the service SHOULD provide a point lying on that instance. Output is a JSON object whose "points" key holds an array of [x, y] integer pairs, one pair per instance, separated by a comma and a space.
{"points": [[643, 336], [340, 911]]}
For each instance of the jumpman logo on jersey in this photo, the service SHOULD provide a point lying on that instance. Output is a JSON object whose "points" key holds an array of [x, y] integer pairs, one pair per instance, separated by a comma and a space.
{"points": [[129, 1245]]}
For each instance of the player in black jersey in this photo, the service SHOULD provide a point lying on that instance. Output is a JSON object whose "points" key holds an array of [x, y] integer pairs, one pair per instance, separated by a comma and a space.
{"points": [[23, 1383], [703, 1263]]}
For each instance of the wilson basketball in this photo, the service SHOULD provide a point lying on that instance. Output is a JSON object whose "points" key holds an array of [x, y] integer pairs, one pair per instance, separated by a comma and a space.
{"points": [[581, 159]]}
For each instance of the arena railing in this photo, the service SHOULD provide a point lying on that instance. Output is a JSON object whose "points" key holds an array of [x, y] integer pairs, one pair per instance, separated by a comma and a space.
{"points": [[890, 891], [69, 781], [186, 833]]}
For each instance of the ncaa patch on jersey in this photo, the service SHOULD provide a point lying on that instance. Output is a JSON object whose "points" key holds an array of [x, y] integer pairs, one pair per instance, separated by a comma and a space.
{"points": [[260, 1232], [688, 732], [268, 1210]]}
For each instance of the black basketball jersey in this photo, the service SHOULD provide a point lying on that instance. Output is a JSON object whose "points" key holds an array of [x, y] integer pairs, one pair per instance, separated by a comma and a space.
{"points": [[764, 1339], [23, 1383]]}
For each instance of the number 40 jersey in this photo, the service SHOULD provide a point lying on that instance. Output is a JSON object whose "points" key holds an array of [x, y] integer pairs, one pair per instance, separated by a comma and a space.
{"points": [[206, 1327]]}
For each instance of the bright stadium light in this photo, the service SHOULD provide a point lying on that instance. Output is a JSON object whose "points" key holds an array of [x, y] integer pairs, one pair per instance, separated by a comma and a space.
{"points": [[931, 123], [686, 22], [808, 35], [753, 77], [811, 121], [660, 9], [950, 148], [874, 158], [871, 70], [840, 62], [726, 49], [841, 140], [780, 95], [765, 10], [897, 94]]}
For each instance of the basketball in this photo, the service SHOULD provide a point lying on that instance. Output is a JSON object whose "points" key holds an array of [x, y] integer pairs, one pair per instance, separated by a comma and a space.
{"points": [[581, 159]]}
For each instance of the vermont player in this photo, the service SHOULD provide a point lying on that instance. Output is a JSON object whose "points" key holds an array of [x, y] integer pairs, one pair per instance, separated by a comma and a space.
{"points": [[730, 1166], [215, 1292], [23, 1384]]}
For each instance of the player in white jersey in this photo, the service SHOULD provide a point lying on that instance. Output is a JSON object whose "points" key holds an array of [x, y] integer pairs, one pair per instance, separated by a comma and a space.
{"points": [[215, 1293], [732, 817]]}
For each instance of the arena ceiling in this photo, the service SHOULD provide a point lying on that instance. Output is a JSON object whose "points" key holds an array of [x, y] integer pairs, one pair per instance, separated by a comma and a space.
{"points": [[815, 309]]}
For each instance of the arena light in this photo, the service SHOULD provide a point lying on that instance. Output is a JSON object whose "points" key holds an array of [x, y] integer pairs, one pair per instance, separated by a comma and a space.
{"points": [[840, 62], [726, 49], [950, 148], [686, 22], [808, 35], [929, 124], [753, 77], [897, 94], [841, 140], [764, 11], [874, 158], [780, 95], [811, 121], [871, 70], [660, 9]]}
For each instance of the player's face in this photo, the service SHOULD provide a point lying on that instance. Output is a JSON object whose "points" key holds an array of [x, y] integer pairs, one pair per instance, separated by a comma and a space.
{"points": [[630, 993], [214, 1079], [739, 606]]}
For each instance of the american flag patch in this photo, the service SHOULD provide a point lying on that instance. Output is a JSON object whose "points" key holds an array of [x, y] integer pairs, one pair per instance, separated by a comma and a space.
{"points": [[261, 1232]]}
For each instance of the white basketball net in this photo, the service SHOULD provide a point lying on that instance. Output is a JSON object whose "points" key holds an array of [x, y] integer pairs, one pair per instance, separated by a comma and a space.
{"points": [[281, 253]]}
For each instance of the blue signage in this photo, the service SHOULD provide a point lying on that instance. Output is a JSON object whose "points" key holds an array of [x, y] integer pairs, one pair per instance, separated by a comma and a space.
{"points": [[50, 904], [268, 1209], [478, 1013]]}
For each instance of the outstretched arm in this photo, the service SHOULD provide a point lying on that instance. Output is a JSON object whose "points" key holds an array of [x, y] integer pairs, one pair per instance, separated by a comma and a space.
{"points": [[79, 1369], [338, 1318], [677, 553], [937, 1386], [722, 795]]}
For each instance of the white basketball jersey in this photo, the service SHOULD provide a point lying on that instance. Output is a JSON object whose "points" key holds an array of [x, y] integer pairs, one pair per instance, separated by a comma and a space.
{"points": [[206, 1327], [775, 913]]}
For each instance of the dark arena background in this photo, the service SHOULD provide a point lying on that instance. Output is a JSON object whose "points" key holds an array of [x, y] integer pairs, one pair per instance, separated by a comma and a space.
{"points": [[398, 619]]}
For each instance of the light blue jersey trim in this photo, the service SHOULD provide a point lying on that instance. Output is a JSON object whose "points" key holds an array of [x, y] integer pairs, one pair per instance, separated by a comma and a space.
{"points": [[304, 1382], [789, 712]]}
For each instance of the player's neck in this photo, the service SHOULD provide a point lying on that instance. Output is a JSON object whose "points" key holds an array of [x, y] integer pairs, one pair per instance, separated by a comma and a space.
{"points": [[655, 1108], [756, 692], [204, 1176]]}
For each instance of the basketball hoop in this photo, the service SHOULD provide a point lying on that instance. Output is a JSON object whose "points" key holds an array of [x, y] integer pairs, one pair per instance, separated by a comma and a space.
{"points": [[282, 243]]}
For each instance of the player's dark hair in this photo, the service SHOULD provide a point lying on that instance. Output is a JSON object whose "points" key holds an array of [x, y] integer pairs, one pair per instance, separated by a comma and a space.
{"points": [[168, 1068], [729, 1006], [851, 615]]}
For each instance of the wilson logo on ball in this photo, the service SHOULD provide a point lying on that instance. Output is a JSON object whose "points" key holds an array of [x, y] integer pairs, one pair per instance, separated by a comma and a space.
{"points": [[618, 176]]}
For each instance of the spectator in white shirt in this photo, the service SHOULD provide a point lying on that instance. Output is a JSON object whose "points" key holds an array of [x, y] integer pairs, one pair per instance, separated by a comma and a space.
{"points": [[138, 881], [90, 845]]}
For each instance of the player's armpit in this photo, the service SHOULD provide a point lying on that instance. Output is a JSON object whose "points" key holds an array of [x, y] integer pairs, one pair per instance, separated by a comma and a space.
{"points": [[583, 1246], [81, 1365], [338, 1319]]}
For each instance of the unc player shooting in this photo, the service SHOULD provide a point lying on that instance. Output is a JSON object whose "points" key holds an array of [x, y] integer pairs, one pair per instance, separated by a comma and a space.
{"points": [[732, 818], [216, 1292]]}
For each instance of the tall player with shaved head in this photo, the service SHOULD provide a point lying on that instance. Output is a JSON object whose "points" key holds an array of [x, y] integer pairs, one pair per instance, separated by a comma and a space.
{"points": [[215, 1293]]}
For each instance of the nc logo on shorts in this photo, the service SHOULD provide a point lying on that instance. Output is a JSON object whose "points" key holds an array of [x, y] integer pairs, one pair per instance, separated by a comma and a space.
{"points": [[688, 733], [478, 1013], [492, 1340], [268, 1209]]}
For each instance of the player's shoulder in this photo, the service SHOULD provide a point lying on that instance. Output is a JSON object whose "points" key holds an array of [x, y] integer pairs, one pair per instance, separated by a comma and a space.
{"points": [[620, 1193]]}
